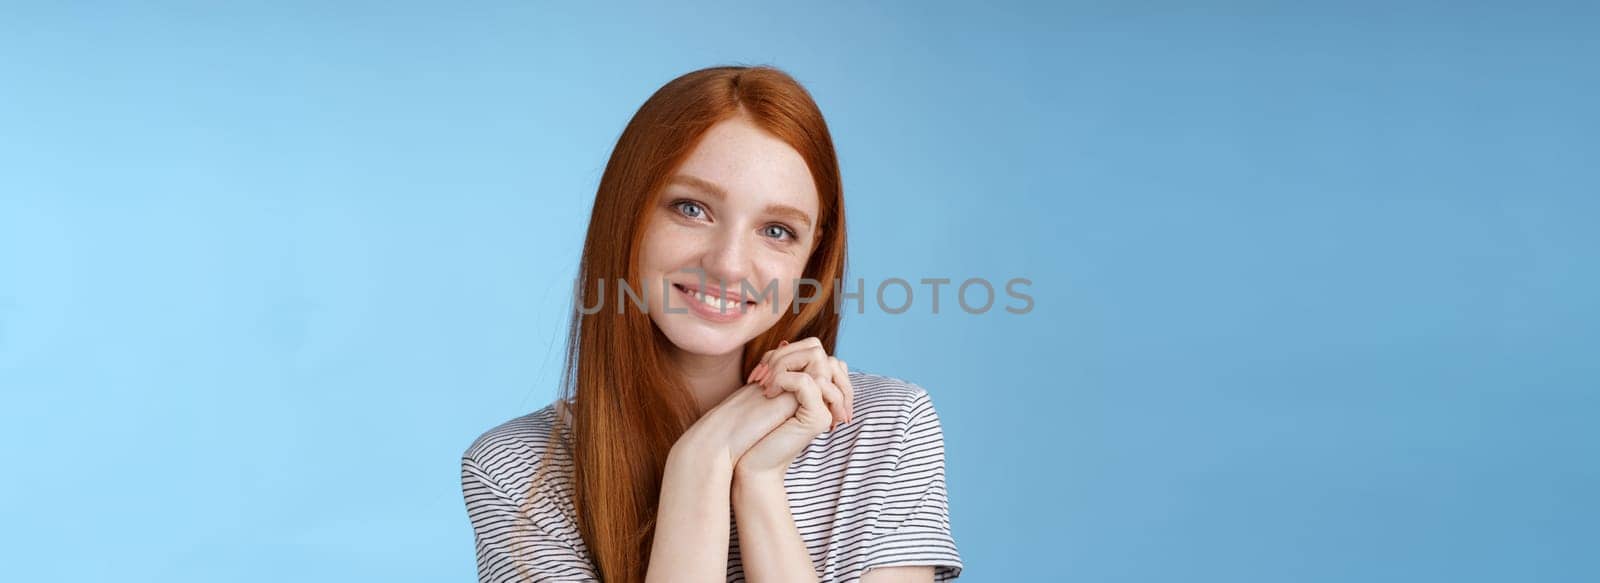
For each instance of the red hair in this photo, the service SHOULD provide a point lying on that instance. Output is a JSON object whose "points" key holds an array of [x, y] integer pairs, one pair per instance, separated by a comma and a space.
{"points": [[630, 403]]}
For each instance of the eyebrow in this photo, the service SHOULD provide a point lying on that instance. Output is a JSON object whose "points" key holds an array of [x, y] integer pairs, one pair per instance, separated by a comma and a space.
{"points": [[713, 189]]}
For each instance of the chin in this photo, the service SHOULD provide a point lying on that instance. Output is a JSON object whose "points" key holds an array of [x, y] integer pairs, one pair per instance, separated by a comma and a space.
{"points": [[703, 340]]}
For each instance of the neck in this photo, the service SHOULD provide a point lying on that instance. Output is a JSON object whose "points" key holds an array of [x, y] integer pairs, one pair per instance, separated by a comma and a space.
{"points": [[711, 378]]}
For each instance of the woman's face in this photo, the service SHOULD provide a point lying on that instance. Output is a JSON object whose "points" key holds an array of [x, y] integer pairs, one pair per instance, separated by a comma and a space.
{"points": [[741, 208]]}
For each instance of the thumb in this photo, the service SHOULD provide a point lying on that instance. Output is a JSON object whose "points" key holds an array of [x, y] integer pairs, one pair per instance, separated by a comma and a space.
{"points": [[813, 410]]}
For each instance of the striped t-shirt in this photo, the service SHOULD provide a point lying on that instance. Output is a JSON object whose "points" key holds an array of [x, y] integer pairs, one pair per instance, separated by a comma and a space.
{"points": [[870, 493]]}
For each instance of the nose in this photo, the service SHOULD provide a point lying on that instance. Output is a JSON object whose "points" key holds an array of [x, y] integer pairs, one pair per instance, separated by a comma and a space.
{"points": [[727, 261]]}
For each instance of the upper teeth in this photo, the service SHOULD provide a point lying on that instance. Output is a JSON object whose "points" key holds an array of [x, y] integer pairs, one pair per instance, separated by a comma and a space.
{"points": [[714, 302]]}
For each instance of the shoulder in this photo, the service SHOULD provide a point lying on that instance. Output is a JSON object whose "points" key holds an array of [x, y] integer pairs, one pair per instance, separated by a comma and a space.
{"points": [[516, 446], [888, 414], [894, 490], [886, 399]]}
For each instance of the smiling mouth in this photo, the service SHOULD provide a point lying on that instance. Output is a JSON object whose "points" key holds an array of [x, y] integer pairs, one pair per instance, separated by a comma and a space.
{"points": [[713, 302]]}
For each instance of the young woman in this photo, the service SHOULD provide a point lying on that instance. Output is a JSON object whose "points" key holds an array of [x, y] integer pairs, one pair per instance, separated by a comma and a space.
{"points": [[705, 429]]}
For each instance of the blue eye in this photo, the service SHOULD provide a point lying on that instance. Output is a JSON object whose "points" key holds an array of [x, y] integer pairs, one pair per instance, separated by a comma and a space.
{"points": [[685, 204], [780, 231]]}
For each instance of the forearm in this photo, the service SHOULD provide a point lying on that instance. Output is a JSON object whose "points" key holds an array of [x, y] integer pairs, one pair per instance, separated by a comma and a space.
{"points": [[770, 546], [691, 535]]}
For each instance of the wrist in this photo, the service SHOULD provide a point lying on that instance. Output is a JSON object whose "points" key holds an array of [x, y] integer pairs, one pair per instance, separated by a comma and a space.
{"points": [[696, 448], [758, 477]]}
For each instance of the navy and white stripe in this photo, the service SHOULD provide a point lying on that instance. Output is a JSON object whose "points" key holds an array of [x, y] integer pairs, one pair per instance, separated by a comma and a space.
{"points": [[868, 494]]}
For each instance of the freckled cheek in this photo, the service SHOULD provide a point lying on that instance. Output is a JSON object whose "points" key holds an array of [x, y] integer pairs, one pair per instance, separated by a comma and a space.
{"points": [[667, 249], [780, 273]]}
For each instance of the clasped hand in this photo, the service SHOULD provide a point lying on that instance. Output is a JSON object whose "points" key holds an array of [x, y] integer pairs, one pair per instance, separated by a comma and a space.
{"points": [[819, 387]]}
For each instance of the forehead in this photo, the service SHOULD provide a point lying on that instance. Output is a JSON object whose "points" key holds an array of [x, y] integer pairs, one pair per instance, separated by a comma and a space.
{"points": [[754, 167]]}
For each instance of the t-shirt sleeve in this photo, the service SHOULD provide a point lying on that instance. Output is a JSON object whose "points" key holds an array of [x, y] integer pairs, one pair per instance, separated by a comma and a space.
{"points": [[513, 544], [914, 524]]}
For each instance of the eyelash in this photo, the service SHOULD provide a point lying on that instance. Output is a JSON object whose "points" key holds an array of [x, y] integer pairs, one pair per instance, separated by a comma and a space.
{"points": [[679, 204]]}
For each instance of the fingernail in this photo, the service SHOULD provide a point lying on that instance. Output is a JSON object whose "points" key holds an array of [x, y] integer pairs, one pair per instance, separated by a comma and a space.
{"points": [[756, 373]]}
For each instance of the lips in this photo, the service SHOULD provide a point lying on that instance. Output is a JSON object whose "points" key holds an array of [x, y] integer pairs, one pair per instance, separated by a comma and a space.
{"points": [[695, 290], [710, 308]]}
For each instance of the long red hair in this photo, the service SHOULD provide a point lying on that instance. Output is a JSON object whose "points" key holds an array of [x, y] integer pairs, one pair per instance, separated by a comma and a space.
{"points": [[630, 403]]}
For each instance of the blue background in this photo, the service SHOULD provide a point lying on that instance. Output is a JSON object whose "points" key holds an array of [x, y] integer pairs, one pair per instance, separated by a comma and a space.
{"points": [[1315, 285]]}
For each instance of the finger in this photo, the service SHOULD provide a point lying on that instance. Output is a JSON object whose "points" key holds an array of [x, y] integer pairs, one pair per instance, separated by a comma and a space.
{"points": [[813, 412], [804, 361], [838, 401], [767, 369], [786, 347], [766, 366], [812, 361], [787, 350], [837, 404], [842, 380], [763, 371], [834, 399]]}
